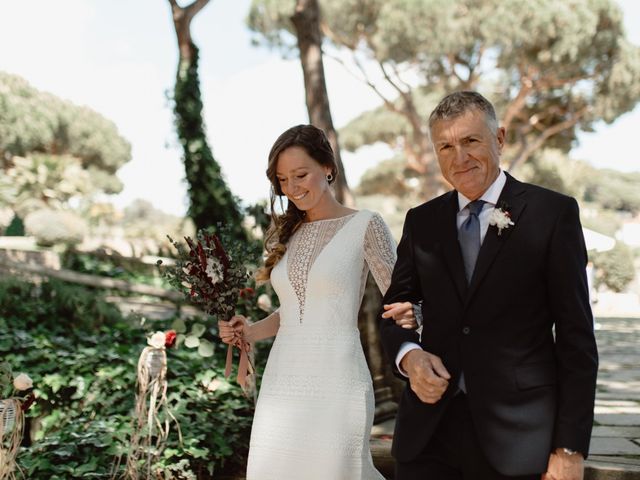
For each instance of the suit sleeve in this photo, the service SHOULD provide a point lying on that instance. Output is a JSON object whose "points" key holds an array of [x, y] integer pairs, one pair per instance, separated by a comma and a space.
{"points": [[404, 287], [576, 351]]}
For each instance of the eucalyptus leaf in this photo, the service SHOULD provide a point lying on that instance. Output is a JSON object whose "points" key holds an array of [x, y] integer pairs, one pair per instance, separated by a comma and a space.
{"points": [[198, 329], [191, 341], [179, 326], [206, 348]]}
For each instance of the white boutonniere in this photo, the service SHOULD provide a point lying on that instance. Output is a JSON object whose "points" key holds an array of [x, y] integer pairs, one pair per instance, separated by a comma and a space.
{"points": [[501, 219]]}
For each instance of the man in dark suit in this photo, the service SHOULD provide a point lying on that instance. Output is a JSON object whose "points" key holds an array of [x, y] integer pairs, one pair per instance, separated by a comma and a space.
{"points": [[501, 380]]}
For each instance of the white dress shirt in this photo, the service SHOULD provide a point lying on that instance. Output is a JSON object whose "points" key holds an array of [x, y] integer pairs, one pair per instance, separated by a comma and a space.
{"points": [[490, 197]]}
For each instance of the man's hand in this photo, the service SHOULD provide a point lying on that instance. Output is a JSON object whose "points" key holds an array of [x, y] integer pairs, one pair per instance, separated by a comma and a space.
{"points": [[402, 313], [563, 466], [427, 375]]}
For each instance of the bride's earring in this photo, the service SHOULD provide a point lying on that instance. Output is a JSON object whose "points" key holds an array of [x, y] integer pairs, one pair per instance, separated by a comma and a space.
{"points": [[329, 178]]}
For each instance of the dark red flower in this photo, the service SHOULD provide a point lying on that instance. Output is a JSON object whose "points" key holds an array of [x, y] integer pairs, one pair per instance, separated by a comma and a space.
{"points": [[201, 256], [247, 292], [221, 254], [31, 398], [170, 338]]}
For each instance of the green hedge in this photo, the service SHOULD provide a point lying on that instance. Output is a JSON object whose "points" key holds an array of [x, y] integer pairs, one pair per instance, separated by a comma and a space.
{"points": [[82, 355], [615, 267]]}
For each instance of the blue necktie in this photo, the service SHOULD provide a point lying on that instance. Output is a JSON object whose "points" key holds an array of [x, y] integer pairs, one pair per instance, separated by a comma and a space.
{"points": [[469, 237]]}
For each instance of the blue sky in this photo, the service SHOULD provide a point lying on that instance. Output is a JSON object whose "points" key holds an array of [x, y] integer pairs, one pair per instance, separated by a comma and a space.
{"points": [[119, 57]]}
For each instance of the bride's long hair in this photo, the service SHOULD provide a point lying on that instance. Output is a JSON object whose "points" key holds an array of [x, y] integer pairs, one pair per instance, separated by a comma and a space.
{"points": [[315, 143]]}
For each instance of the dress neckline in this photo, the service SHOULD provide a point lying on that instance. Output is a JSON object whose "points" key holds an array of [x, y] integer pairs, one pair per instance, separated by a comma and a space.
{"points": [[331, 219]]}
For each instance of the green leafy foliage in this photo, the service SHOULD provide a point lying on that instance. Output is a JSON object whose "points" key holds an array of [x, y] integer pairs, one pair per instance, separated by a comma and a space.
{"points": [[55, 227], [605, 222], [608, 190], [42, 180], [615, 267], [614, 190], [389, 177], [112, 265], [142, 221], [82, 355], [551, 68], [15, 228], [69, 136]]}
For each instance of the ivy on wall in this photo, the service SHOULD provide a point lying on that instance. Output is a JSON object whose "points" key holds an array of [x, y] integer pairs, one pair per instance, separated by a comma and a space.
{"points": [[211, 201]]}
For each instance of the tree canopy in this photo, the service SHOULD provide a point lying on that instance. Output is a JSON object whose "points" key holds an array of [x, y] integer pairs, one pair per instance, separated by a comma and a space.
{"points": [[551, 68], [69, 148]]}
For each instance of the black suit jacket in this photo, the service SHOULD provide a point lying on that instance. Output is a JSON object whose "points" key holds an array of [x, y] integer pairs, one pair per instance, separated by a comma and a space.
{"points": [[522, 330]]}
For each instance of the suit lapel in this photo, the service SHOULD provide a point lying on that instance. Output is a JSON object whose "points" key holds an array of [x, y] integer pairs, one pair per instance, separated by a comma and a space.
{"points": [[511, 200], [449, 242]]}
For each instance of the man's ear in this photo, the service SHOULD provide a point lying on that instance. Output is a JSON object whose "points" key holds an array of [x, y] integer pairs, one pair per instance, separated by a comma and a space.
{"points": [[501, 134]]}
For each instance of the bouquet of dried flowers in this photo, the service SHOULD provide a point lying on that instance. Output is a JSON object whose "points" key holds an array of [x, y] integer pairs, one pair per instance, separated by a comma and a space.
{"points": [[212, 278], [207, 275]]}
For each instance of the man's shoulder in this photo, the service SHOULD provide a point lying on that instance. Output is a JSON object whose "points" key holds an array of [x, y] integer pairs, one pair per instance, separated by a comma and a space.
{"points": [[538, 192], [433, 205]]}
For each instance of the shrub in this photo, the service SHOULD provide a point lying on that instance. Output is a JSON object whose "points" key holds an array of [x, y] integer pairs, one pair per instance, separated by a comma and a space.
{"points": [[51, 227], [112, 265], [614, 268], [15, 228], [82, 355]]}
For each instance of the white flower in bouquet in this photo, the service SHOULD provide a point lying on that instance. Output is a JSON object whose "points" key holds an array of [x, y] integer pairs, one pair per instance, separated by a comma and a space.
{"points": [[22, 382], [157, 340], [214, 270], [264, 302], [213, 279], [500, 219]]}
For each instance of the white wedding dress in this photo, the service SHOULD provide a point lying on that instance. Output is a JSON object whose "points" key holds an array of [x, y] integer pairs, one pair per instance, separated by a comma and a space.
{"points": [[315, 408]]}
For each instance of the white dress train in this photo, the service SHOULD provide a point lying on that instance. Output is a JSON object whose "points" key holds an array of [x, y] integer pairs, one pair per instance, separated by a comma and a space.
{"points": [[315, 407]]}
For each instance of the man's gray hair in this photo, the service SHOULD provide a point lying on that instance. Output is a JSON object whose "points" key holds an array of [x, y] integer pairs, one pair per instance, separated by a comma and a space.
{"points": [[458, 103]]}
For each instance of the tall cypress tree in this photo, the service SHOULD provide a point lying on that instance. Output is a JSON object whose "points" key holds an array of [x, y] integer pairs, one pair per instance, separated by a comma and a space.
{"points": [[210, 200]]}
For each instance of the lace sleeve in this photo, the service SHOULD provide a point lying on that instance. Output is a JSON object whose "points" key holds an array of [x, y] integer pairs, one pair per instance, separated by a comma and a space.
{"points": [[379, 251]]}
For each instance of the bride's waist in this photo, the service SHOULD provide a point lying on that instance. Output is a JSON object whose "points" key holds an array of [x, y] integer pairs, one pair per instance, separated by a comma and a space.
{"points": [[297, 329]]}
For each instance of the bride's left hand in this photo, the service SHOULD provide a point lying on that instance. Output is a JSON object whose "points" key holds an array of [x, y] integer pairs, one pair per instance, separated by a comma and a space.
{"points": [[402, 314]]}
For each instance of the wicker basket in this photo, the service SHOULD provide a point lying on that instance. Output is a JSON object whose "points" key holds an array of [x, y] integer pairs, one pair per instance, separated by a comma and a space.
{"points": [[7, 416], [155, 361]]}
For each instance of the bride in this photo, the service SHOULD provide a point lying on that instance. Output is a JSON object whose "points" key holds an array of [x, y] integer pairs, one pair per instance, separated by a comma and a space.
{"points": [[315, 407]]}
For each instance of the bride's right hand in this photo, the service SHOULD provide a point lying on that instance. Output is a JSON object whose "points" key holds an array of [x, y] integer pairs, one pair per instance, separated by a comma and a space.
{"points": [[234, 330]]}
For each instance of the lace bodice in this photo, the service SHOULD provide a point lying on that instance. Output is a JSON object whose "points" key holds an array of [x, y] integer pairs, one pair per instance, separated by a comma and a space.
{"points": [[311, 238]]}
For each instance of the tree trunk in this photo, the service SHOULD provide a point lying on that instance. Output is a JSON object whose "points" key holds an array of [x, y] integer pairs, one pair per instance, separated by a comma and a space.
{"points": [[182, 17], [306, 21]]}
